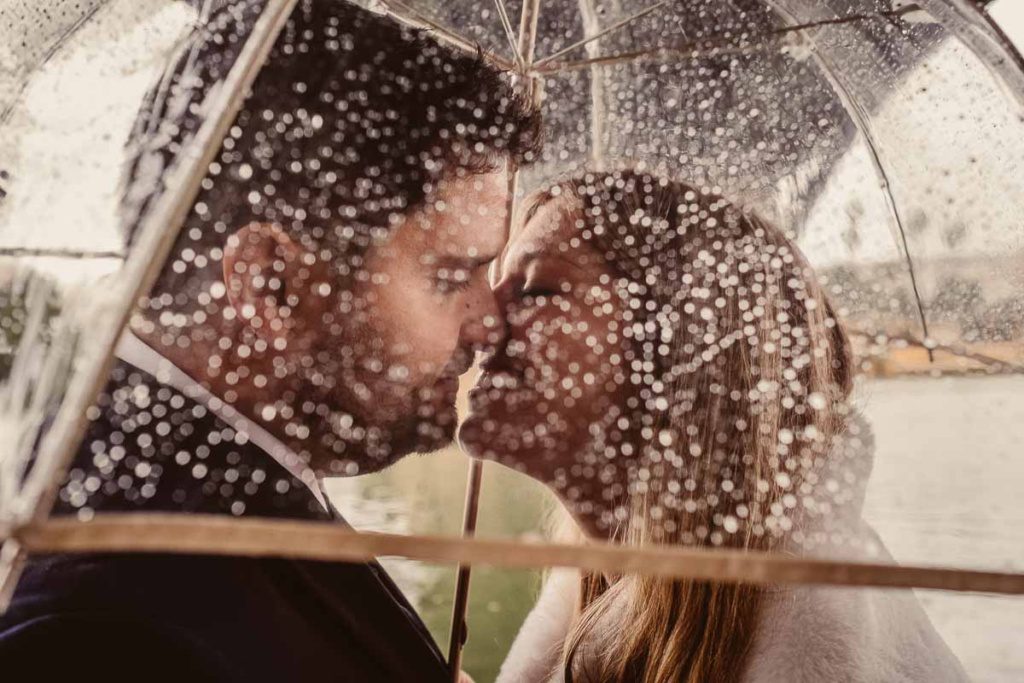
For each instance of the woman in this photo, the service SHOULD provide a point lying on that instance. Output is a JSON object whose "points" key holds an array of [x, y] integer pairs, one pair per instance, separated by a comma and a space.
{"points": [[675, 373]]}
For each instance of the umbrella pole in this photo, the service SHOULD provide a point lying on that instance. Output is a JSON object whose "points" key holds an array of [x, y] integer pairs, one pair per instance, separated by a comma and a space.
{"points": [[459, 632]]}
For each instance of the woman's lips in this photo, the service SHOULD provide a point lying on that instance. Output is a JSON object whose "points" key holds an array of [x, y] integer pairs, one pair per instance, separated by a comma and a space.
{"points": [[493, 387]]}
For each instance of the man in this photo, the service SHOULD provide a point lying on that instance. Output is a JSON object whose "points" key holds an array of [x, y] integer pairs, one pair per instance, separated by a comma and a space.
{"points": [[322, 298]]}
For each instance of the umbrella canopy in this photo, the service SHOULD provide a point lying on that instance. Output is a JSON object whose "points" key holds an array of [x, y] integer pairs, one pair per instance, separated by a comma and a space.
{"points": [[882, 139]]}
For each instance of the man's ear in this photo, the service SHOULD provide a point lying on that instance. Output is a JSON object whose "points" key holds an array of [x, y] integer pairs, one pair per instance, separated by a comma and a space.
{"points": [[262, 265]]}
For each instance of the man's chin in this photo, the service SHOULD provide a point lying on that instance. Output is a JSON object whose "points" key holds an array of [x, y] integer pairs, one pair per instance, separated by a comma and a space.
{"points": [[389, 446], [422, 437], [436, 438]]}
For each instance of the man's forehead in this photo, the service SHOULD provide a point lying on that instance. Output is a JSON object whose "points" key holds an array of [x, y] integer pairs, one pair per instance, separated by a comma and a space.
{"points": [[467, 216], [548, 228]]}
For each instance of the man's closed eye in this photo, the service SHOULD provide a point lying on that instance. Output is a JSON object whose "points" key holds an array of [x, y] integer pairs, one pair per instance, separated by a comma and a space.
{"points": [[452, 281]]}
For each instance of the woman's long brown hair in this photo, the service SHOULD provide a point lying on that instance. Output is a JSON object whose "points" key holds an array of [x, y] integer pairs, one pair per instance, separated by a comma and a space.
{"points": [[751, 372]]}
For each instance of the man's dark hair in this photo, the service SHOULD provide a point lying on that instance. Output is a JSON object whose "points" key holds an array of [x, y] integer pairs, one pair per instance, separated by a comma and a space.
{"points": [[349, 124]]}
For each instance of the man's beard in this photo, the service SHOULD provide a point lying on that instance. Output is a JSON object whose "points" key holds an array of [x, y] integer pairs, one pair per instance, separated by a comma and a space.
{"points": [[374, 443], [359, 437], [421, 434], [372, 421]]}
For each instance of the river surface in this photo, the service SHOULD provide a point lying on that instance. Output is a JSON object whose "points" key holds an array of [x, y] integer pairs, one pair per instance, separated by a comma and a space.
{"points": [[947, 489]]}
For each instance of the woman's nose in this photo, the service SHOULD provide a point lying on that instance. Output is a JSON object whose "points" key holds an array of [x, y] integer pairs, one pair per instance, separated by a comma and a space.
{"points": [[485, 326], [503, 287]]}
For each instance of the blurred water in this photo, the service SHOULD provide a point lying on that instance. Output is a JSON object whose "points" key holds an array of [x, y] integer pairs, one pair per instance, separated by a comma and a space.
{"points": [[425, 495], [946, 489]]}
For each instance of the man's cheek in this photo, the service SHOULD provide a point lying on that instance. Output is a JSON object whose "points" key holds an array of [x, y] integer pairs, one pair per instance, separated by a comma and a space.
{"points": [[418, 307], [432, 357]]}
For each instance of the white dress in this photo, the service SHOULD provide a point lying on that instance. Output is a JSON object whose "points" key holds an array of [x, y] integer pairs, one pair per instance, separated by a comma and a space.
{"points": [[806, 634]]}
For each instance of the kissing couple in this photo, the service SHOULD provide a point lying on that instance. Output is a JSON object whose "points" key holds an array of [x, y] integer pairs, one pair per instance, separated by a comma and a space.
{"points": [[663, 360]]}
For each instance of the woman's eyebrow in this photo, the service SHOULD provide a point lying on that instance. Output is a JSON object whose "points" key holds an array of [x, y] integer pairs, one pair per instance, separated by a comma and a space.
{"points": [[461, 261], [535, 264], [533, 256]]}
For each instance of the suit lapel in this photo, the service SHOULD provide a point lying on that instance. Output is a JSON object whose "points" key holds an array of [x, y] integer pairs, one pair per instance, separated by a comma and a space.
{"points": [[126, 444], [383, 580], [153, 449]]}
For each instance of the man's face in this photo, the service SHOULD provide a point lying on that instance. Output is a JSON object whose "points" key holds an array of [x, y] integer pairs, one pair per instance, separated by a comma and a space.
{"points": [[417, 318]]}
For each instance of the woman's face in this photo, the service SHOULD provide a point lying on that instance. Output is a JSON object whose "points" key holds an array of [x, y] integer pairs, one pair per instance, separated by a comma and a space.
{"points": [[552, 402]]}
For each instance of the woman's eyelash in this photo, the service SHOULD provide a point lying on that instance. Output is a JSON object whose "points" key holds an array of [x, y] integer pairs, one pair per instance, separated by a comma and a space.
{"points": [[538, 291]]}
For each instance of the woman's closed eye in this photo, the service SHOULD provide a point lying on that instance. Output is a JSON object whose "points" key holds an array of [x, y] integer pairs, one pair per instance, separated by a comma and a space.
{"points": [[537, 292], [543, 291], [545, 279]]}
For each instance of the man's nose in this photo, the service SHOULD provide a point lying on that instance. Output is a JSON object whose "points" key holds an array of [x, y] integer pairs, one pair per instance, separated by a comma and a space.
{"points": [[485, 327]]}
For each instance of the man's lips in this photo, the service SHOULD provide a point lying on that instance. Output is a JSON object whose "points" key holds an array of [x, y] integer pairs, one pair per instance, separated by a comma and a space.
{"points": [[458, 366], [449, 385]]}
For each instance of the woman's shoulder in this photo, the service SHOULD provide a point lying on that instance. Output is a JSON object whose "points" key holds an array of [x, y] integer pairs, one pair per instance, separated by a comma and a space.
{"points": [[815, 633]]}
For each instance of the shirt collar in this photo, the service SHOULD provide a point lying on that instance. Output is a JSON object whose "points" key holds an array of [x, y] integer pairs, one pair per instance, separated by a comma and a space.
{"points": [[133, 350]]}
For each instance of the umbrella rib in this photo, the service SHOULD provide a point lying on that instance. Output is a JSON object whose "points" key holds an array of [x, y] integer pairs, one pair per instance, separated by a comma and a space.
{"points": [[599, 135], [137, 532], [157, 233], [861, 120], [159, 229], [456, 40], [849, 19], [929, 343], [689, 51], [60, 253], [506, 24], [545, 66], [614, 27]]}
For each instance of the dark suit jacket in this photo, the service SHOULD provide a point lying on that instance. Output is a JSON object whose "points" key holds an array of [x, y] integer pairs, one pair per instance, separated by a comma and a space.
{"points": [[191, 618]]}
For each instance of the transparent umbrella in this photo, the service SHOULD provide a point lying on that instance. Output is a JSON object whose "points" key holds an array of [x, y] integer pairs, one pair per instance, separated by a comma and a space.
{"points": [[879, 140]]}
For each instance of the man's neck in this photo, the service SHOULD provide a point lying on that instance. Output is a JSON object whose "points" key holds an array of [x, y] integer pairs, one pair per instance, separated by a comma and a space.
{"points": [[138, 353], [297, 432]]}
